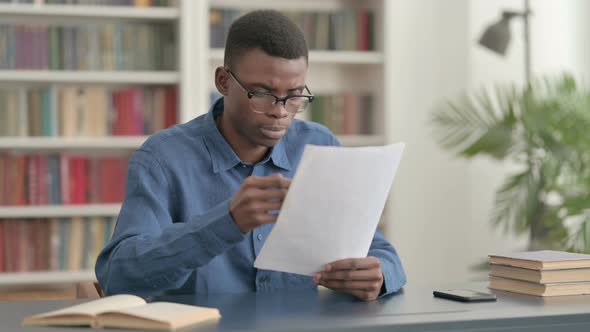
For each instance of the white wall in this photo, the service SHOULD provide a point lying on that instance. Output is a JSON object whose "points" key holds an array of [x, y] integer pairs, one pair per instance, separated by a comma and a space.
{"points": [[441, 205], [431, 192]]}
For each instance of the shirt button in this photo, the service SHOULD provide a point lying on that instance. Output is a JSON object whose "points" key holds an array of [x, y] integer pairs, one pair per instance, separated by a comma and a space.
{"points": [[263, 279], [259, 237]]}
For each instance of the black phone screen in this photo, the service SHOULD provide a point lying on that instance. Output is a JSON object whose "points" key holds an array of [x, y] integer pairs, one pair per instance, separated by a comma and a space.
{"points": [[464, 295]]}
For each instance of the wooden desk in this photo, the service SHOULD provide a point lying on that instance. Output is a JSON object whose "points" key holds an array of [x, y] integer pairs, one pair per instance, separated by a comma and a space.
{"points": [[414, 309]]}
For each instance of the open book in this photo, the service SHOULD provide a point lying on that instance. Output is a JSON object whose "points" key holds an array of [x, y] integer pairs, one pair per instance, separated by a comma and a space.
{"points": [[125, 311]]}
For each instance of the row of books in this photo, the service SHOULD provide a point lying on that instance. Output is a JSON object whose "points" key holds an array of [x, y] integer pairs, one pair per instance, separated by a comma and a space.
{"points": [[53, 179], [347, 29], [541, 273], [136, 3], [110, 46], [86, 110], [346, 114], [56, 244]]}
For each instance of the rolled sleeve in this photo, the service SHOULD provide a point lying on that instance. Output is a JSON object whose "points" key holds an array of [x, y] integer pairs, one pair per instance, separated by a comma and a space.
{"points": [[394, 277]]}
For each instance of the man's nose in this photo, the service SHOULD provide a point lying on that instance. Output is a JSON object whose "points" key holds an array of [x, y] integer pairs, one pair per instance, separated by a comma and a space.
{"points": [[278, 110]]}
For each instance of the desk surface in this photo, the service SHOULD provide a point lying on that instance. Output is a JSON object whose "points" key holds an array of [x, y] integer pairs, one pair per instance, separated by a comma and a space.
{"points": [[413, 309]]}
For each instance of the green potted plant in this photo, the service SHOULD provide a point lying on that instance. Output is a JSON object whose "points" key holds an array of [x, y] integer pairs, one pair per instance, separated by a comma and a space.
{"points": [[544, 129]]}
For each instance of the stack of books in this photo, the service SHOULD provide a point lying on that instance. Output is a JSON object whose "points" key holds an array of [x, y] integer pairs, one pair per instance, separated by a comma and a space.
{"points": [[541, 273]]}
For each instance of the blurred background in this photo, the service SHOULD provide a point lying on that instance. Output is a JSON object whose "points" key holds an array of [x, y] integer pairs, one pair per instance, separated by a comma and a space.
{"points": [[83, 83]]}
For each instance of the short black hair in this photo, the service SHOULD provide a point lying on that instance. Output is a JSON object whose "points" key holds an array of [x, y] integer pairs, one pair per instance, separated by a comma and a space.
{"points": [[268, 30]]}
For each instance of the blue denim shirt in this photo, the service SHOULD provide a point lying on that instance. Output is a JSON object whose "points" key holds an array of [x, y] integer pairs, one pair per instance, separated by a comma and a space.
{"points": [[175, 232]]}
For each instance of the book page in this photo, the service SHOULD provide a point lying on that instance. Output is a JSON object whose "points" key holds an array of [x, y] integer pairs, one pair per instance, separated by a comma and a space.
{"points": [[92, 308], [332, 208], [172, 314]]}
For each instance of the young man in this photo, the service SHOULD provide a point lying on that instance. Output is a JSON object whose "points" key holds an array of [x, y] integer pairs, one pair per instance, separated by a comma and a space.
{"points": [[198, 196]]}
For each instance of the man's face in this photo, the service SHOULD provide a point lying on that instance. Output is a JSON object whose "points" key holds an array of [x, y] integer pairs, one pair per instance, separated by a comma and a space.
{"points": [[260, 72]]}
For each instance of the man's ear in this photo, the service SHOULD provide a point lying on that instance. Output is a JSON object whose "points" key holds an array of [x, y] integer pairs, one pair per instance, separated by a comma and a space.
{"points": [[222, 81]]}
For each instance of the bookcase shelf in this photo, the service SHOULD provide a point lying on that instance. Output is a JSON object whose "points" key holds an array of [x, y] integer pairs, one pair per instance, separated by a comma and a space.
{"points": [[327, 57], [188, 21], [59, 211], [69, 143], [27, 12], [13, 279], [90, 77]]}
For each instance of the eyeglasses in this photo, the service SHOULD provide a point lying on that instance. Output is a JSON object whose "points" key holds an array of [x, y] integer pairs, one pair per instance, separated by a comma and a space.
{"points": [[263, 102]]}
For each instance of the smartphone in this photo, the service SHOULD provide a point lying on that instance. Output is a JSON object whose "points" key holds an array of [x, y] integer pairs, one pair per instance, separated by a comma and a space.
{"points": [[464, 295]]}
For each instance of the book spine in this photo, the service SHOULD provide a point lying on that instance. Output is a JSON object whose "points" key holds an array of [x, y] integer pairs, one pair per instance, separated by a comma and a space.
{"points": [[3, 187], [75, 244], [10, 237], [171, 102], [54, 244], [64, 249], [32, 181], [2, 237], [64, 163]]}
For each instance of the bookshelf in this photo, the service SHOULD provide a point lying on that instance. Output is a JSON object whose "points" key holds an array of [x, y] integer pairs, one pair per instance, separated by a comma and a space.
{"points": [[331, 72], [181, 19]]}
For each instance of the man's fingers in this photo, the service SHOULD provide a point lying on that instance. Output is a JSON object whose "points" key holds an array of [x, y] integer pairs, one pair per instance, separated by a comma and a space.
{"points": [[268, 206], [371, 286], [356, 293], [265, 194], [265, 218], [353, 264], [267, 182], [282, 182], [360, 275]]}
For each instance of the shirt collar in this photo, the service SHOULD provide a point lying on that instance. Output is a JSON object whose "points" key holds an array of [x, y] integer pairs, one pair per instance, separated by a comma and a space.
{"points": [[223, 156]]}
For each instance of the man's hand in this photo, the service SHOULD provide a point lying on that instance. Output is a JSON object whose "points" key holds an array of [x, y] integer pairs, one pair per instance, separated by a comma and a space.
{"points": [[361, 277], [255, 198]]}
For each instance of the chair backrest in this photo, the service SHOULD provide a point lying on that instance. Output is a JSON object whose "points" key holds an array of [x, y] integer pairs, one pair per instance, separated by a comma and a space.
{"points": [[88, 290]]}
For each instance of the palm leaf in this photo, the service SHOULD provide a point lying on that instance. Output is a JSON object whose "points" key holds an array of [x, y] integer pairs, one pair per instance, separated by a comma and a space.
{"points": [[516, 201], [579, 241], [477, 125]]}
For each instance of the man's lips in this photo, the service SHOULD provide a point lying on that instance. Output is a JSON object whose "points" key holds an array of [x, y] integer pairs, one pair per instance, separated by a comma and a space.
{"points": [[274, 132]]}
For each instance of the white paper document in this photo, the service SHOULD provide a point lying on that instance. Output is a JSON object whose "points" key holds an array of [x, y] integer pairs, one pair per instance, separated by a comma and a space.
{"points": [[332, 207]]}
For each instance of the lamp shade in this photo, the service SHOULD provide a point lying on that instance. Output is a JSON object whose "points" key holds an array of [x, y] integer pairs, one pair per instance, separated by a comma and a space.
{"points": [[497, 36]]}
